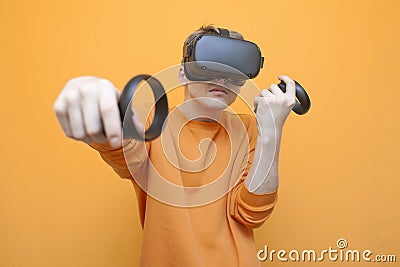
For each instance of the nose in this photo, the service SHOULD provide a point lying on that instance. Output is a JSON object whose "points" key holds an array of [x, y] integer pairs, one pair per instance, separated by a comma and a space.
{"points": [[227, 84], [220, 81]]}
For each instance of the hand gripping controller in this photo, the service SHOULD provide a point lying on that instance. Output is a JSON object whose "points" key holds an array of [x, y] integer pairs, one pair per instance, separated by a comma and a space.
{"points": [[303, 102]]}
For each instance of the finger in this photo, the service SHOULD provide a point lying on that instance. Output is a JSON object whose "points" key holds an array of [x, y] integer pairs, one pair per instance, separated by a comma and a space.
{"points": [[108, 105], [290, 86], [60, 108], [259, 102], [275, 90], [91, 118], [266, 93], [75, 115]]}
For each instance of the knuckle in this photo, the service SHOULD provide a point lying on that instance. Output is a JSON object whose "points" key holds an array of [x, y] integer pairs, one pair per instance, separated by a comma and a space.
{"points": [[107, 109], [94, 131], [72, 97], [71, 81], [92, 84], [290, 82], [59, 108], [105, 85], [106, 82], [83, 78], [89, 93]]}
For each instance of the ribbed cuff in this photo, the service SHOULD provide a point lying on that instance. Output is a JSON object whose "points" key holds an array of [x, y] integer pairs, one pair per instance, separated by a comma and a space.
{"points": [[256, 200]]}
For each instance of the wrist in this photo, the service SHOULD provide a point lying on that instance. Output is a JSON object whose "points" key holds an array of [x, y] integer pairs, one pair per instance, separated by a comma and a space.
{"points": [[271, 136]]}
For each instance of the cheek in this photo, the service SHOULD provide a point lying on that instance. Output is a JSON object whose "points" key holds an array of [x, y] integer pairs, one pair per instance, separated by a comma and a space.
{"points": [[235, 90], [232, 98], [197, 89]]}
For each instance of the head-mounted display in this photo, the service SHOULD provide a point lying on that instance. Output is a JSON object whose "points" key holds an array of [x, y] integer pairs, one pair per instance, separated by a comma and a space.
{"points": [[208, 57]]}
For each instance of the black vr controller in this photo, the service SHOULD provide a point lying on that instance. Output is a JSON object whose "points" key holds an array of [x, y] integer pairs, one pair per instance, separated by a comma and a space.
{"points": [[303, 102], [205, 57], [161, 111]]}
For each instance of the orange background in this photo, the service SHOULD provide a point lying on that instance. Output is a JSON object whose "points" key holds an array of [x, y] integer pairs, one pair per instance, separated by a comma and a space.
{"points": [[60, 205]]}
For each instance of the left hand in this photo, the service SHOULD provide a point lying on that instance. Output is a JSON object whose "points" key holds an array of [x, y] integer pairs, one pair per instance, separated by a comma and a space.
{"points": [[273, 106]]}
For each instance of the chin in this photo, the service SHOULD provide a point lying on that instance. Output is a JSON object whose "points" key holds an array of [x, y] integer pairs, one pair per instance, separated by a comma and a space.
{"points": [[215, 104]]}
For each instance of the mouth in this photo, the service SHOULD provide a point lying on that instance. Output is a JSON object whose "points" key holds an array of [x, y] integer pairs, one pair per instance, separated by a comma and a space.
{"points": [[219, 90]]}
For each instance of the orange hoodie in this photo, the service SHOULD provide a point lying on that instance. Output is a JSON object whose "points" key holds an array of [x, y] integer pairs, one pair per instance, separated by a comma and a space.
{"points": [[194, 208]]}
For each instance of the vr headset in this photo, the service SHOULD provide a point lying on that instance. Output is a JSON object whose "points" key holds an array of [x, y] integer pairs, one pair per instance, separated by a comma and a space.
{"points": [[208, 57]]}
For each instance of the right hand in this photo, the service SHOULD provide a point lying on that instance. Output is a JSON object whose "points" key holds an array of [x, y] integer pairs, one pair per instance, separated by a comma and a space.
{"points": [[87, 110]]}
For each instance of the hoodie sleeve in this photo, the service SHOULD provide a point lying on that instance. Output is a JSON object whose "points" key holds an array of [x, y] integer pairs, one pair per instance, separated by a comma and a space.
{"points": [[250, 209], [132, 151]]}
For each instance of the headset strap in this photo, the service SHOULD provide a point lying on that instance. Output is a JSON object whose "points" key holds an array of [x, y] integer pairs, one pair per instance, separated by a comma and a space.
{"points": [[187, 49], [223, 32]]}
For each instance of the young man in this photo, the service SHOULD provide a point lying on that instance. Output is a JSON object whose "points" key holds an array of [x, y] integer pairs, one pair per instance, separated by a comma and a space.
{"points": [[207, 181]]}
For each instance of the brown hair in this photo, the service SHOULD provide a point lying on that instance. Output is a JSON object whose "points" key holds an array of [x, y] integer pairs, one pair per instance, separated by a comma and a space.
{"points": [[211, 30]]}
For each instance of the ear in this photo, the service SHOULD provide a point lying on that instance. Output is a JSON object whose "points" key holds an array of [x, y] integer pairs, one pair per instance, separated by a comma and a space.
{"points": [[181, 76]]}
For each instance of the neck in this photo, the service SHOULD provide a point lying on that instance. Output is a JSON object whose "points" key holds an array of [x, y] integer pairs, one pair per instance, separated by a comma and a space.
{"points": [[195, 110]]}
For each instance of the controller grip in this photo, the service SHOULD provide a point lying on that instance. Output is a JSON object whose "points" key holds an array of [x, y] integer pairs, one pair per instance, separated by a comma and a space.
{"points": [[303, 102]]}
